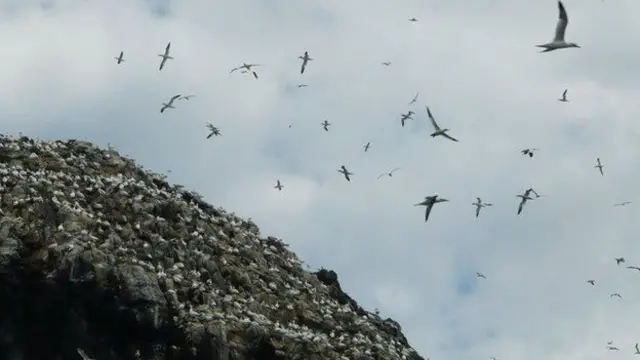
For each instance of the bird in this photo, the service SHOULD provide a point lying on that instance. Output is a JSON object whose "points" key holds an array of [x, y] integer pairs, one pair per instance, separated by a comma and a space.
{"points": [[169, 105], [413, 19], [387, 63], [619, 260], [633, 268], [367, 146], [615, 294], [343, 170], [389, 174], [429, 201], [564, 96], [165, 56], [524, 198], [120, 58], [438, 130], [302, 85], [325, 125], [480, 275], [83, 354], [622, 203], [558, 41], [186, 97], [528, 152], [246, 67], [305, 59], [214, 130], [599, 166], [610, 347], [637, 350], [415, 98], [278, 186], [479, 205], [592, 282], [405, 117]]}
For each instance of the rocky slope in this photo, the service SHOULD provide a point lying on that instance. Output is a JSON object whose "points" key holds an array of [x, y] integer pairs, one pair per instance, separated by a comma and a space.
{"points": [[99, 255]]}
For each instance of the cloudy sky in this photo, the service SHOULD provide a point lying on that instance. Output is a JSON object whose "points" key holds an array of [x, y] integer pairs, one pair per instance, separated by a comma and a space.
{"points": [[474, 64]]}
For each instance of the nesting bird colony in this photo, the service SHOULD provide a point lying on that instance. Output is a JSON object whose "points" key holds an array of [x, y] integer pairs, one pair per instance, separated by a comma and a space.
{"points": [[120, 244]]}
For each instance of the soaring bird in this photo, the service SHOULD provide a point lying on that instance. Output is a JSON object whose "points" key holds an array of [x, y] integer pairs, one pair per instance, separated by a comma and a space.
{"points": [[619, 260], [612, 348], [343, 170], [213, 130], [480, 275], [305, 59], [405, 117], [599, 166], [615, 294], [387, 63], [165, 56], [438, 131], [389, 174], [633, 268], [119, 59], [367, 146], [246, 68], [622, 203], [325, 125], [526, 196], [429, 201], [413, 19], [279, 186], [479, 205], [564, 96], [415, 98], [592, 282], [169, 105], [558, 40]]}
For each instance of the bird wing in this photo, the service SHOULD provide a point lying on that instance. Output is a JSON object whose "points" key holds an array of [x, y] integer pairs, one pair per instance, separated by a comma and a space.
{"points": [[394, 169], [563, 20], [381, 175], [232, 70], [255, 75], [167, 49], [524, 200], [564, 94], [450, 137], [164, 60], [83, 354], [174, 98], [428, 211], [478, 210], [433, 121]]}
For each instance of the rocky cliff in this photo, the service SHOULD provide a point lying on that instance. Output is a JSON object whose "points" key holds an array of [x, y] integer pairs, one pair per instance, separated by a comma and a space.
{"points": [[101, 257]]}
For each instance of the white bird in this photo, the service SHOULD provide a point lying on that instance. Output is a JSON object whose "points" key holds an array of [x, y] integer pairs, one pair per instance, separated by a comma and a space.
{"points": [[405, 117], [429, 201], [524, 198], [479, 205], [83, 354], [558, 40], [343, 170], [564, 96], [325, 125], [415, 98], [389, 174], [247, 68], [279, 186], [305, 59], [622, 203], [599, 166], [367, 146], [480, 275], [213, 130], [617, 295], [438, 131], [169, 105], [165, 56], [612, 348], [119, 58], [387, 63]]}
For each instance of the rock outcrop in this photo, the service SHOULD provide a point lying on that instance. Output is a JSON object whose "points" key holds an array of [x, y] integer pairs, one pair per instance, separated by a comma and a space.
{"points": [[100, 255]]}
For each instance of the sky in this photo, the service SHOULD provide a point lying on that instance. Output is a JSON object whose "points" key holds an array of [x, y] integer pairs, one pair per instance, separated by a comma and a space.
{"points": [[474, 63]]}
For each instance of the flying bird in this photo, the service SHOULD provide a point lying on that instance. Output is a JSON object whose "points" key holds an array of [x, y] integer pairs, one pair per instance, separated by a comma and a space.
{"points": [[302, 85], [325, 125], [305, 59], [83, 354], [633, 268], [479, 205], [564, 96], [622, 203], [165, 56], [214, 130], [637, 350], [619, 260], [599, 166], [592, 282], [278, 186], [413, 19], [169, 105], [528, 152], [246, 68], [438, 130], [387, 63], [415, 98], [615, 294], [558, 40], [367, 146], [389, 174], [343, 170], [120, 58], [186, 97], [429, 201], [405, 117], [480, 275], [526, 196], [610, 347]]}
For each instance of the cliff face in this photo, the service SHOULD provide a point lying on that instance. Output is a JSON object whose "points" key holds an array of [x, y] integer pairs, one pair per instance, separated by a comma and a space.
{"points": [[99, 255]]}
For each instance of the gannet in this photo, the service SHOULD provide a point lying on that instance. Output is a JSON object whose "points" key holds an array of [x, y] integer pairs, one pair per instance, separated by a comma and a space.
{"points": [[528, 152], [119, 58], [637, 350], [480, 275], [599, 166], [278, 186], [186, 97], [405, 117], [245, 66], [610, 347], [367, 146], [619, 260], [170, 103], [305, 59], [438, 130], [165, 56], [524, 198], [564, 96], [83, 354], [415, 98], [389, 174], [622, 203], [592, 282], [633, 268], [558, 40], [413, 19], [214, 130], [302, 85], [615, 294], [325, 125], [479, 205], [429, 201], [343, 170], [387, 63]]}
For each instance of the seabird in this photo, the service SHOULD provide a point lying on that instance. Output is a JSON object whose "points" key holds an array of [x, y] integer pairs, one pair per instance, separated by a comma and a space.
{"points": [[405, 117], [558, 40], [247, 68], [389, 174], [186, 97], [325, 125], [278, 186], [592, 282], [619, 260], [367, 146], [83, 354], [165, 56], [438, 130], [524, 198], [599, 166], [615, 294], [480, 275], [302, 85], [479, 205], [343, 170], [613, 348], [119, 58], [637, 350], [564, 96], [528, 152], [633, 268], [415, 98], [214, 130], [305, 59], [387, 63], [170, 103], [429, 201], [622, 203], [413, 19]]}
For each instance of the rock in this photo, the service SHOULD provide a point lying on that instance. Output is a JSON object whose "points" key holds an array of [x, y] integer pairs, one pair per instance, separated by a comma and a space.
{"points": [[100, 255]]}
